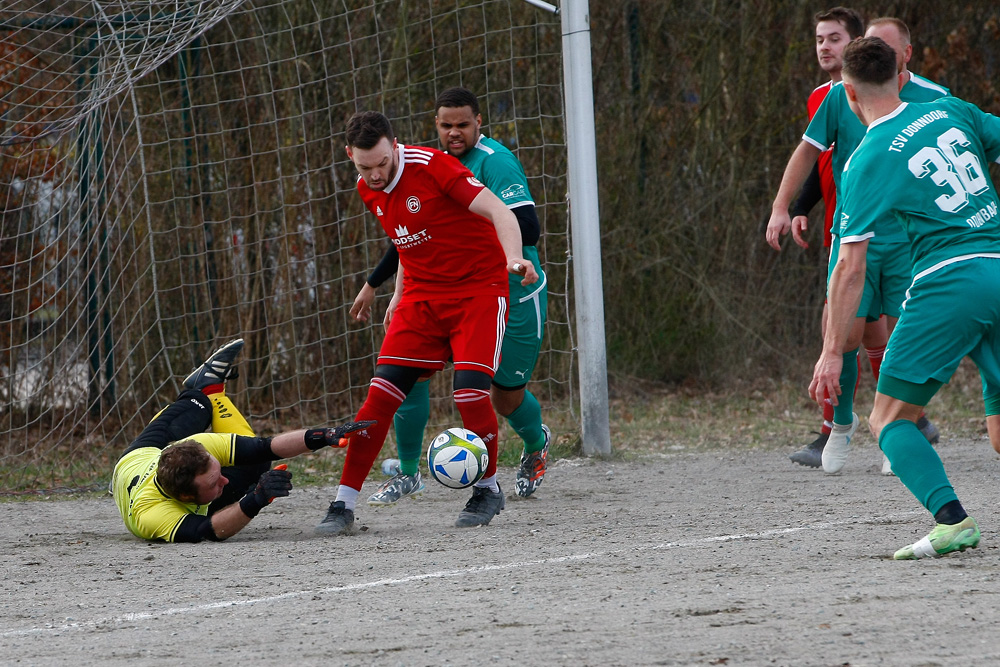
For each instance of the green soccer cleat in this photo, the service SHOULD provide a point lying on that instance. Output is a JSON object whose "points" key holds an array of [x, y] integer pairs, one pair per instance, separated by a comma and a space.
{"points": [[944, 539]]}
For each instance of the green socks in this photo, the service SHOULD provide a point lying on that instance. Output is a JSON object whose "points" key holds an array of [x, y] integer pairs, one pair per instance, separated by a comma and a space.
{"points": [[526, 421], [843, 412], [410, 422], [916, 464]]}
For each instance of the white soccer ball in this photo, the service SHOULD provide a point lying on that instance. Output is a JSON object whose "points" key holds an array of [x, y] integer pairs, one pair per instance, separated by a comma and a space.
{"points": [[457, 458]]}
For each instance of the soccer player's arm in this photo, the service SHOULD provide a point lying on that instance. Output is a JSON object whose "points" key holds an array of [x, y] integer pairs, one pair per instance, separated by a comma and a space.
{"points": [[503, 174], [811, 194], [489, 206], [387, 266], [819, 136], [796, 172], [861, 207]]}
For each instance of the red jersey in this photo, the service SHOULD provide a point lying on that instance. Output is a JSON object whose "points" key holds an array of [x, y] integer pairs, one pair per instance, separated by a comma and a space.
{"points": [[826, 184], [446, 251]]}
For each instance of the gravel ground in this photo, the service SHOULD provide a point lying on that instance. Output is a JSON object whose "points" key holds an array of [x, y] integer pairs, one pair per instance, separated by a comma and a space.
{"points": [[709, 558]]}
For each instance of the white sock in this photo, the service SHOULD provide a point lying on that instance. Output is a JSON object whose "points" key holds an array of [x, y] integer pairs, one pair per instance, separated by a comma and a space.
{"points": [[489, 483], [348, 495]]}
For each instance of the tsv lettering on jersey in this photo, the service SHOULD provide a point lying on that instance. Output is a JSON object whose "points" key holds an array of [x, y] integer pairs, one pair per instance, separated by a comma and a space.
{"points": [[980, 217], [900, 139]]}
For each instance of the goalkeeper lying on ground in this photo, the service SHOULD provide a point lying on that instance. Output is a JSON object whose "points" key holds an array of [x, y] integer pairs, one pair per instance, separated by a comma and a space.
{"points": [[179, 484]]}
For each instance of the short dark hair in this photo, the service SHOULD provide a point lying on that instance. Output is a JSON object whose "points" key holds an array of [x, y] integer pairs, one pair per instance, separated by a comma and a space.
{"points": [[454, 98], [869, 60], [366, 128], [900, 25], [179, 464], [847, 17]]}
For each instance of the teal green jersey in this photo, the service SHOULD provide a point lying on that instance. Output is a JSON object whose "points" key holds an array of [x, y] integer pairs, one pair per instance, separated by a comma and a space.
{"points": [[836, 126], [926, 166], [499, 170]]}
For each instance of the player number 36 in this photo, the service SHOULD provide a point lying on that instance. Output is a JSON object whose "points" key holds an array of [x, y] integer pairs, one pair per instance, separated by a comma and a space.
{"points": [[950, 168]]}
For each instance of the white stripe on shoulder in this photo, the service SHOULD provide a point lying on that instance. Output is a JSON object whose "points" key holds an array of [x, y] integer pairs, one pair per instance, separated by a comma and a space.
{"points": [[828, 84], [927, 83], [412, 154], [483, 147]]}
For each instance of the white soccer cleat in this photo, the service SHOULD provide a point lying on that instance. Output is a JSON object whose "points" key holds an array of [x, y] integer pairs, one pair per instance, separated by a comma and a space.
{"points": [[887, 467], [835, 452]]}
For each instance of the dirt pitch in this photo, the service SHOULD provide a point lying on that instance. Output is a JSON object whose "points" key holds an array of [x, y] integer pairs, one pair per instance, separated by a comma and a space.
{"points": [[718, 558]]}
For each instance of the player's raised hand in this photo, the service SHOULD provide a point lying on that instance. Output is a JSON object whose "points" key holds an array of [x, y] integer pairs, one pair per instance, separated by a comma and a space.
{"points": [[800, 223], [334, 436], [361, 310], [522, 267], [779, 225]]}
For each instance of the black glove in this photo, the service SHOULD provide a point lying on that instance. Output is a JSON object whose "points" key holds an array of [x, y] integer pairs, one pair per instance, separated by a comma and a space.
{"points": [[317, 438], [272, 484]]}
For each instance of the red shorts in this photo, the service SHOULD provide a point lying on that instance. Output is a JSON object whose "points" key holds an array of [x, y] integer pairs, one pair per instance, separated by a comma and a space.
{"points": [[426, 334]]}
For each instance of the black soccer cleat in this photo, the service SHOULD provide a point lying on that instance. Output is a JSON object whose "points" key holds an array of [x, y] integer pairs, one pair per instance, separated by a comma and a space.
{"points": [[812, 454], [338, 520], [217, 368], [481, 508]]}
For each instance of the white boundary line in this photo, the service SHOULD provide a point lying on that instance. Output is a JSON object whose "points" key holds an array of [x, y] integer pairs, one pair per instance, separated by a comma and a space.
{"points": [[441, 574]]}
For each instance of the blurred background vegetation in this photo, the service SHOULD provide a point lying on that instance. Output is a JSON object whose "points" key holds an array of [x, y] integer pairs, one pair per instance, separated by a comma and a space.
{"points": [[699, 106]]}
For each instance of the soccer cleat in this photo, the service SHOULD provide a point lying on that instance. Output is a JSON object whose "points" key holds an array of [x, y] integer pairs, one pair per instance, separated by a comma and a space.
{"points": [[887, 467], [944, 539], [338, 520], [217, 368], [481, 508], [532, 470], [835, 451], [812, 454], [397, 487], [929, 430]]}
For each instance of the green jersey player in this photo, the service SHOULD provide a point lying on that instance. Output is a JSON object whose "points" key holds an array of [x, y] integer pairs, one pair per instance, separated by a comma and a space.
{"points": [[888, 267], [458, 123], [924, 166]]}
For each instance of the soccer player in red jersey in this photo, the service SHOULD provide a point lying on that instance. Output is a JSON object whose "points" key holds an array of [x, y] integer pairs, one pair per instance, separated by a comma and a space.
{"points": [[457, 241]]}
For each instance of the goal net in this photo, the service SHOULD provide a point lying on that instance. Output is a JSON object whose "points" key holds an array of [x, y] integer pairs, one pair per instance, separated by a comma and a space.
{"points": [[172, 175]]}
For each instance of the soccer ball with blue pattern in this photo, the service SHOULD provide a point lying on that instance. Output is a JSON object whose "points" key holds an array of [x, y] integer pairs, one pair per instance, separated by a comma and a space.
{"points": [[457, 458]]}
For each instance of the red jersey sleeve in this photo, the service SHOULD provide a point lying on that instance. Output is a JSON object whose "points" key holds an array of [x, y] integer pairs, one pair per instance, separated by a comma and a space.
{"points": [[455, 179]]}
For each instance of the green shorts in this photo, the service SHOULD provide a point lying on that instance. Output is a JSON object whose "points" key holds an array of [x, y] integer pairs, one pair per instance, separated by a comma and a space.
{"points": [[948, 314], [887, 275], [522, 339]]}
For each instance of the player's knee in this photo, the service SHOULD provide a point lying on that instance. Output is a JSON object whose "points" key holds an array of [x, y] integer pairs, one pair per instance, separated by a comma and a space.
{"points": [[506, 401], [468, 379], [876, 422], [402, 377]]}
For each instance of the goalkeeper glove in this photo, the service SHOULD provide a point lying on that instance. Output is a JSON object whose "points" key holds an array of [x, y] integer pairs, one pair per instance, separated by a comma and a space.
{"points": [[272, 484], [317, 438]]}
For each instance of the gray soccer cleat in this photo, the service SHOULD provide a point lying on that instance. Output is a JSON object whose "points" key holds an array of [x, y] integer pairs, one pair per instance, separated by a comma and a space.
{"points": [[338, 520], [397, 487], [812, 454], [481, 508]]}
